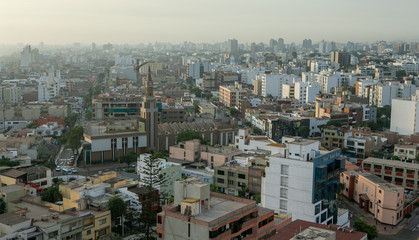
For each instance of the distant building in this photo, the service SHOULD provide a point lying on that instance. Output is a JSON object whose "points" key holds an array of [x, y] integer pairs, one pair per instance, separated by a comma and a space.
{"points": [[343, 58], [232, 46], [231, 95]]}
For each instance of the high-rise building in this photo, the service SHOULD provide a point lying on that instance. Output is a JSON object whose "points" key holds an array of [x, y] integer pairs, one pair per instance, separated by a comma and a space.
{"points": [[307, 43], [232, 46], [281, 45], [404, 116], [303, 182], [149, 113], [272, 44], [343, 58]]}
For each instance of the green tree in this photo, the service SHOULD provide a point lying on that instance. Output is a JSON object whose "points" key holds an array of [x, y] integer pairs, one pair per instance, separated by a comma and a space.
{"points": [[371, 124], [417, 159], [370, 230], [117, 207], [334, 123], [128, 158], [256, 130], [395, 157], [151, 179], [244, 191], [3, 206], [7, 162], [234, 112], [32, 125], [189, 135], [43, 152], [71, 120], [303, 131], [74, 137], [164, 155], [257, 198], [51, 194]]}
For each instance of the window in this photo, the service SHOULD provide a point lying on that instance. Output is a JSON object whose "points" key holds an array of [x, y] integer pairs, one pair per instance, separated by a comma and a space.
{"points": [[89, 232], [231, 174], [284, 181], [220, 180], [283, 204], [284, 169], [241, 176], [219, 172], [255, 180], [284, 193], [102, 232], [230, 182], [102, 221]]}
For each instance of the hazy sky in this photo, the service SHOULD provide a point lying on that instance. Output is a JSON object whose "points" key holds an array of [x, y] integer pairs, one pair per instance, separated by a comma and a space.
{"points": [[143, 21]]}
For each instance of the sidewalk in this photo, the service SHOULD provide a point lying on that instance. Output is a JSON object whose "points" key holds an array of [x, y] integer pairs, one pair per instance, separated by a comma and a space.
{"points": [[385, 229]]}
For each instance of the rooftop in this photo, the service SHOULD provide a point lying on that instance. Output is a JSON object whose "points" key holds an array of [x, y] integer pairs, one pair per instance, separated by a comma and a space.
{"points": [[220, 207], [11, 188], [289, 231], [13, 173], [395, 163], [11, 219]]}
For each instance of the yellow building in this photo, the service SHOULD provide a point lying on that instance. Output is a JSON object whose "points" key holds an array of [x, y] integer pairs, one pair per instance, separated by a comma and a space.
{"points": [[97, 224], [72, 191]]}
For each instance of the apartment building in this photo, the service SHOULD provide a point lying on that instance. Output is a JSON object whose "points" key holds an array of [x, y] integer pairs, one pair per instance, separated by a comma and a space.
{"points": [[198, 213], [303, 181], [382, 199], [403, 116], [402, 174], [231, 95], [231, 178], [114, 106], [194, 151], [406, 151], [334, 137]]}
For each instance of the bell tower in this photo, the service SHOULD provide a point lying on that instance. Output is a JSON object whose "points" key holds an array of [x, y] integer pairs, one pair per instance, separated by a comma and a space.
{"points": [[150, 113]]}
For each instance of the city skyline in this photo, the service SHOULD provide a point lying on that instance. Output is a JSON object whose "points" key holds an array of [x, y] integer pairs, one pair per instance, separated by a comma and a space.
{"points": [[132, 22]]}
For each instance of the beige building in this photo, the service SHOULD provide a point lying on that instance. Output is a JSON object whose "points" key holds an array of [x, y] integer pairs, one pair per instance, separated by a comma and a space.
{"points": [[257, 87], [406, 151], [207, 108], [231, 95], [382, 199], [229, 179], [403, 174], [194, 151]]}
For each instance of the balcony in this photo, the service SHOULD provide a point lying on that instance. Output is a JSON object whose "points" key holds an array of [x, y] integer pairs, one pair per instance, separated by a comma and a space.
{"points": [[399, 174], [410, 175], [388, 172], [399, 183], [377, 170], [367, 169], [409, 185]]}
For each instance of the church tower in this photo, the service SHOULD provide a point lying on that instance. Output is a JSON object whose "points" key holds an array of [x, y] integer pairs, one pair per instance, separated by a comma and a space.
{"points": [[150, 113]]}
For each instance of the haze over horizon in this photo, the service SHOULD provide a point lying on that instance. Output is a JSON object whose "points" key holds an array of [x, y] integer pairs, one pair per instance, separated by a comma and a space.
{"points": [[133, 22]]}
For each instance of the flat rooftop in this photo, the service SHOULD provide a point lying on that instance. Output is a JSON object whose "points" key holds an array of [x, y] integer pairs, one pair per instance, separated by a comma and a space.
{"points": [[394, 163], [219, 208], [11, 219], [11, 188]]}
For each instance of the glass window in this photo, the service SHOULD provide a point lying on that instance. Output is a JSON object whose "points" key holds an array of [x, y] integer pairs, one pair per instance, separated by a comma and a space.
{"points": [[284, 169], [284, 181], [283, 204], [284, 193]]}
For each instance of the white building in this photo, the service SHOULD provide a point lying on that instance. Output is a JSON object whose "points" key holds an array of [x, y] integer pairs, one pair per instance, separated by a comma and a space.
{"points": [[405, 116], [272, 83], [51, 128], [381, 95], [303, 181], [48, 89]]}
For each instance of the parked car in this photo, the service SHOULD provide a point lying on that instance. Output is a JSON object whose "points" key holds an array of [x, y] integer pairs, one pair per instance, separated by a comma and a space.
{"points": [[58, 168], [74, 170]]}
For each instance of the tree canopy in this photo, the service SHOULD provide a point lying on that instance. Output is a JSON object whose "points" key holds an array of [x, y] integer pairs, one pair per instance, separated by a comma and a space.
{"points": [[51, 194], [43, 152], [234, 112], [117, 207], [74, 137], [303, 131], [189, 135], [370, 230], [128, 158], [3, 206], [334, 123], [7, 162]]}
